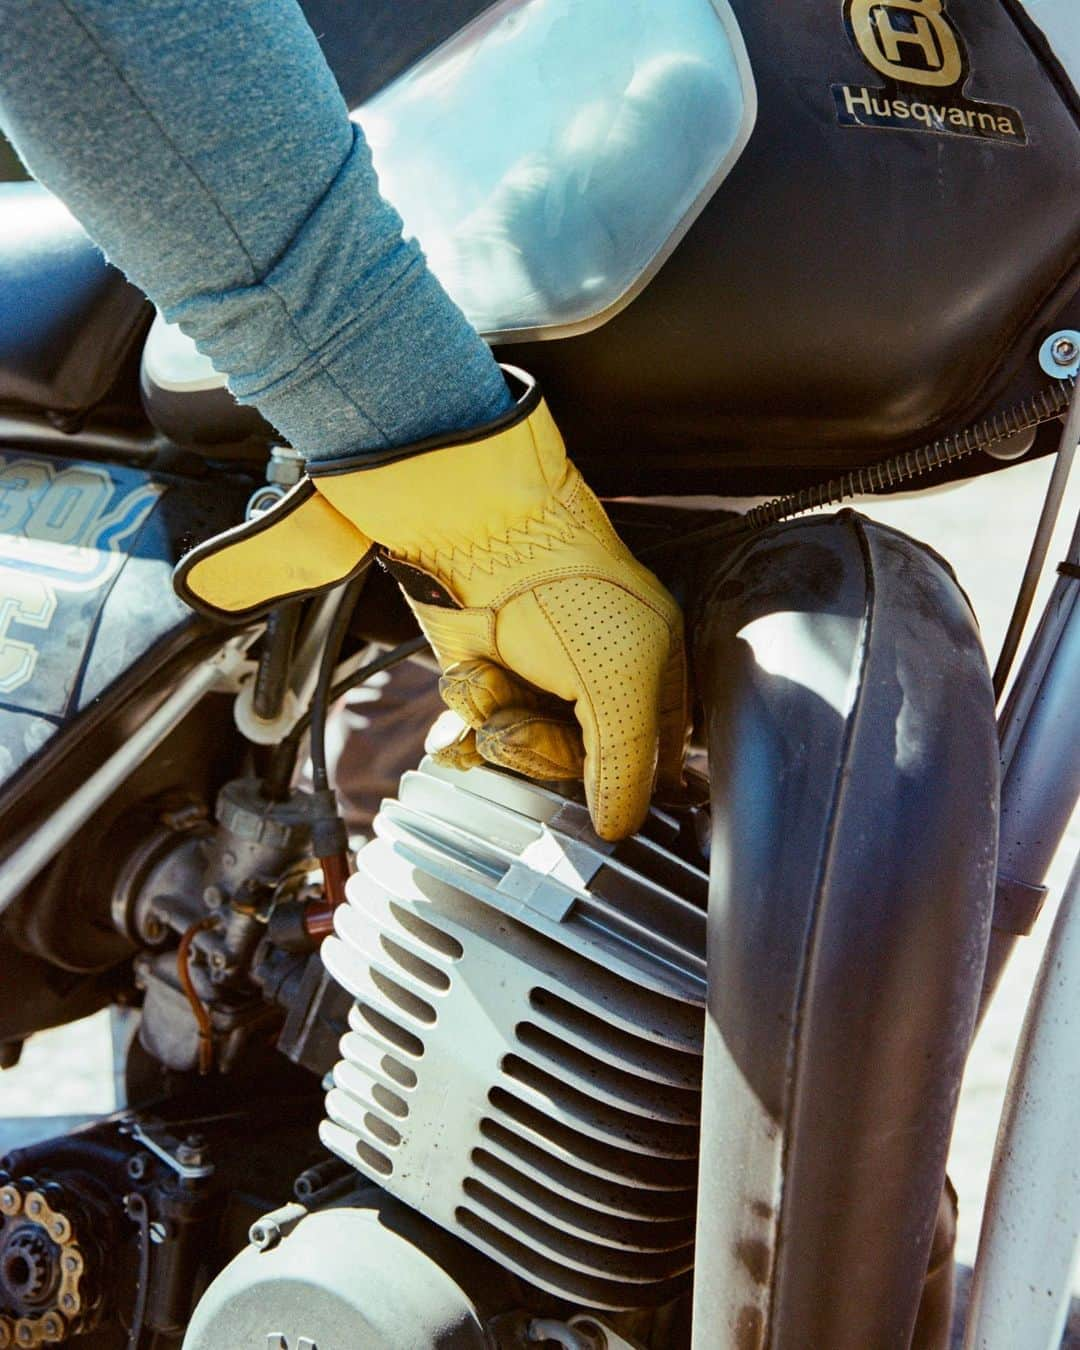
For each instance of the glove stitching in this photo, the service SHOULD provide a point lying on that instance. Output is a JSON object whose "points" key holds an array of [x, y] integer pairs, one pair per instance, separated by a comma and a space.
{"points": [[518, 543]]}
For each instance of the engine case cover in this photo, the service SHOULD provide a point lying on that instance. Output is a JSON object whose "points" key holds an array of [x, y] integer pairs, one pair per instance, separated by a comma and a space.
{"points": [[340, 1278]]}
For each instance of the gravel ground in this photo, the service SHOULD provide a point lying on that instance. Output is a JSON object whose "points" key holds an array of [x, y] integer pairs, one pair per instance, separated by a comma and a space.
{"points": [[984, 528]]}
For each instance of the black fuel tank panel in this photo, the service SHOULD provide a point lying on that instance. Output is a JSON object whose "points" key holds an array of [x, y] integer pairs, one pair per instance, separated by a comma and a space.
{"points": [[850, 289]]}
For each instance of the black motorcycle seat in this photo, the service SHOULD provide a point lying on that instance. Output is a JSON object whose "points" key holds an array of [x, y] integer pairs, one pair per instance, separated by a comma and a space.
{"points": [[68, 319]]}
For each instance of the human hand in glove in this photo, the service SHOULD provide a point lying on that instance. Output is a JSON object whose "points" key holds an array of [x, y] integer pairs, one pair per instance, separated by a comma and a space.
{"points": [[531, 602]]}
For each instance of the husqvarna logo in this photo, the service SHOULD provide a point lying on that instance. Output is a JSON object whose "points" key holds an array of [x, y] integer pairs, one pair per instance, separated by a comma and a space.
{"points": [[923, 58], [908, 40]]}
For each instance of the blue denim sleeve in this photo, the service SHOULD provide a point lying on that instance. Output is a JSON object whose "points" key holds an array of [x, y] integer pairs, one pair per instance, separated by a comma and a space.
{"points": [[206, 148]]}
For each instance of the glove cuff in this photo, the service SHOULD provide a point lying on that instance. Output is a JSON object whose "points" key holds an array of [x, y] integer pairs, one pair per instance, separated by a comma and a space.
{"points": [[469, 501], [297, 548], [527, 398]]}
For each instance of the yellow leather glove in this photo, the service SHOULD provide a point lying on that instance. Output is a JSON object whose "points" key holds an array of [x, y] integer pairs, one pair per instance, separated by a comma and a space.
{"points": [[528, 597]]}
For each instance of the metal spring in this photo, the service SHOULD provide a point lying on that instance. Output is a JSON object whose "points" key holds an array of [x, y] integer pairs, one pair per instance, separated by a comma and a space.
{"points": [[1050, 402], [1047, 404]]}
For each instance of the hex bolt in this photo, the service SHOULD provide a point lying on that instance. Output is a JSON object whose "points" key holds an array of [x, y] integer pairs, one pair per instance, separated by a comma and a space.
{"points": [[286, 465], [267, 1232], [264, 1236], [1065, 351], [192, 1152]]}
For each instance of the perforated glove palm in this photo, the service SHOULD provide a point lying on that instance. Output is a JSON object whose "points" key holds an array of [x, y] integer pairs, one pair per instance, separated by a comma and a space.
{"points": [[529, 599]]}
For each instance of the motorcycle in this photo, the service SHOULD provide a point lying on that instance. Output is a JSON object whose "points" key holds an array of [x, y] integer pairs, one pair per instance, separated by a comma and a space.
{"points": [[495, 1082]]}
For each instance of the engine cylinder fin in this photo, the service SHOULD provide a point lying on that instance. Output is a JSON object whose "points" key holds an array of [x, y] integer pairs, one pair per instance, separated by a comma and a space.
{"points": [[616, 1230], [596, 1117], [557, 1278], [363, 1056], [616, 1163], [588, 1255], [365, 1117], [606, 1079], [366, 1088], [373, 1024], [632, 1200], [603, 1040]]}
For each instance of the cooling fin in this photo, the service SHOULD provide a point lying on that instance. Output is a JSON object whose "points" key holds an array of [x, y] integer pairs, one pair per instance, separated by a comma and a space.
{"points": [[523, 1064]]}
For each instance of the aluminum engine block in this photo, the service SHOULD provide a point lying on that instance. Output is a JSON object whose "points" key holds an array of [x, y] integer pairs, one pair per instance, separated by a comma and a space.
{"points": [[524, 1060]]}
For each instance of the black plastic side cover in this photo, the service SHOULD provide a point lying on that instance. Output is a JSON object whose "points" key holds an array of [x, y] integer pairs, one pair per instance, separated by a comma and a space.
{"points": [[853, 759]]}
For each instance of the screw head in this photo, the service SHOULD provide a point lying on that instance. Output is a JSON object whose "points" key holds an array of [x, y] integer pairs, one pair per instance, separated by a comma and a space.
{"points": [[1065, 351], [153, 930]]}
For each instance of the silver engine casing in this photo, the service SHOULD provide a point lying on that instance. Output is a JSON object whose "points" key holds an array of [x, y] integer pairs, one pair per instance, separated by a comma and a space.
{"points": [[524, 1060]]}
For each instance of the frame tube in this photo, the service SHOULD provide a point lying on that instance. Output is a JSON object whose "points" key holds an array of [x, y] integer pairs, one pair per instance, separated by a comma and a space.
{"points": [[1028, 1245]]}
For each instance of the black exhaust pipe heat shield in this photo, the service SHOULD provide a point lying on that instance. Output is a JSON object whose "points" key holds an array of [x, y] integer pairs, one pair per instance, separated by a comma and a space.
{"points": [[854, 770]]}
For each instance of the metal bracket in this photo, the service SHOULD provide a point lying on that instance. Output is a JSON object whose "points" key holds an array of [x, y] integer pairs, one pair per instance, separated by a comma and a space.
{"points": [[159, 1143]]}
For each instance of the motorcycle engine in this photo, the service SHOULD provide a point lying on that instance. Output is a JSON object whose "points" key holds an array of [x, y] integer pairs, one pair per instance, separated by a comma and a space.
{"points": [[518, 1089]]}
